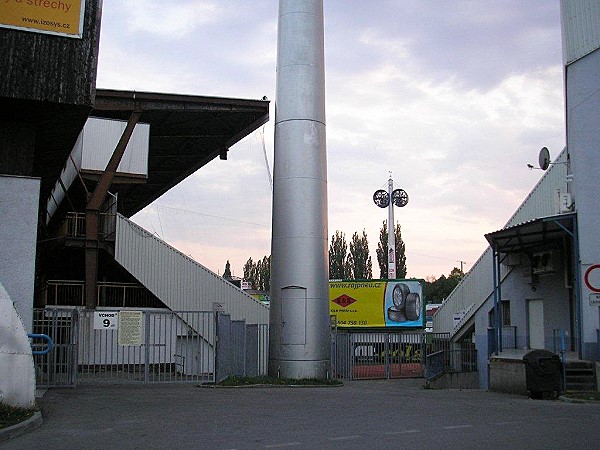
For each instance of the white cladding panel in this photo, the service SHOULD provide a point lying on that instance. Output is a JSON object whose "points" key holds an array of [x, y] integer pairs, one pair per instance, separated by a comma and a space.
{"points": [[478, 283], [581, 33], [179, 281], [67, 176], [101, 136], [19, 206]]}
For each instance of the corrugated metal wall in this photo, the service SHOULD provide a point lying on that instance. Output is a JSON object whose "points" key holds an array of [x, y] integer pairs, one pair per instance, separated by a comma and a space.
{"points": [[478, 284], [179, 281], [542, 201], [50, 68], [581, 34]]}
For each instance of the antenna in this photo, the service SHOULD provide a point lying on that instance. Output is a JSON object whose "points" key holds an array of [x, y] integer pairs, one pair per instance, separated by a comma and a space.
{"points": [[544, 158]]}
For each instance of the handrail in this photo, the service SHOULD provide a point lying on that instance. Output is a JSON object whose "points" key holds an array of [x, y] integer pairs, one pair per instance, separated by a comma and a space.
{"points": [[45, 337], [447, 361]]}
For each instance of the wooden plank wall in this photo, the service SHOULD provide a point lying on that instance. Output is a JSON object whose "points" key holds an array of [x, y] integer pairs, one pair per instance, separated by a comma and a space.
{"points": [[51, 68]]}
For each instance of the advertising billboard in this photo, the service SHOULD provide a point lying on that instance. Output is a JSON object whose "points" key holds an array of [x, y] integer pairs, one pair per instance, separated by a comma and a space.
{"points": [[377, 303], [61, 17]]}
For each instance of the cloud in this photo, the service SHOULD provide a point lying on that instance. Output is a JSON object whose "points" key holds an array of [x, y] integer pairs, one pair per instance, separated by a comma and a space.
{"points": [[454, 98], [169, 20]]}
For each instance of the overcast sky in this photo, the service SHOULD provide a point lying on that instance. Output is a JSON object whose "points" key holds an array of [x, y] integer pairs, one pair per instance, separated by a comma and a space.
{"points": [[455, 98]]}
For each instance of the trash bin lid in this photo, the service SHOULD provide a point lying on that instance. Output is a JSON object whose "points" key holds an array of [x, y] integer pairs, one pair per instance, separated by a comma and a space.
{"points": [[537, 355]]}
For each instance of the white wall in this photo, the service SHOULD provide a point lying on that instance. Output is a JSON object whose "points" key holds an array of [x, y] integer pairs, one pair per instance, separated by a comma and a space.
{"points": [[19, 197], [583, 140]]}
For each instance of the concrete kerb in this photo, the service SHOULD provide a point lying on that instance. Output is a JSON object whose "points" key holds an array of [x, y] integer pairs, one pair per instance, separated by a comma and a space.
{"points": [[26, 426], [268, 386], [566, 399]]}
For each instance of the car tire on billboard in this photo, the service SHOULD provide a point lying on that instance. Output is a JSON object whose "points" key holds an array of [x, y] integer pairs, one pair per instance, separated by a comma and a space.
{"points": [[399, 294], [413, 306]]}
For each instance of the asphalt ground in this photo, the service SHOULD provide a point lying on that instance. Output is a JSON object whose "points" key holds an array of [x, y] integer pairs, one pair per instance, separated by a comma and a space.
{"points": [[382, 414]]}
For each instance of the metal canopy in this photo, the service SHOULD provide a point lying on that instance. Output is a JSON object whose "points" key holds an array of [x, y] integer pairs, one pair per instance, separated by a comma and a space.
{"points": [[533, 234], [186, 132]]}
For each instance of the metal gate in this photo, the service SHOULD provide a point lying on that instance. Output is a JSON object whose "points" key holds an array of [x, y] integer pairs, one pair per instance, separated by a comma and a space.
{"points": [[143, 346], [377, 355]]}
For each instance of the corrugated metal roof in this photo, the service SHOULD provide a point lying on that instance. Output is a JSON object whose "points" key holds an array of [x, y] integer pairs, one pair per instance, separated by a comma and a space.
{"points": [[531, 233], [580, 28]]}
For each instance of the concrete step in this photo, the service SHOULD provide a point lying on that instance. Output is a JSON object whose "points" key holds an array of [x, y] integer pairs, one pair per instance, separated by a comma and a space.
{"points": [[580, 376], [579, 387]]}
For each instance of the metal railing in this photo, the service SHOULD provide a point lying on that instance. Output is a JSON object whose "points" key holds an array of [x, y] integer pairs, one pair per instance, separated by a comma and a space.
{"points": [[146, 346], [450, 361], [509, 336], [64, 293], [126, 295], [383, 355], [47, 346], [112, 294], [163, 346], [561, 341], [74, 225]]}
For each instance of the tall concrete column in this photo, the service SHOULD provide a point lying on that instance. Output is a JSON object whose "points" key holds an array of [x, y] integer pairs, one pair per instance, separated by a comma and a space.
{"points": [[299, 322]]}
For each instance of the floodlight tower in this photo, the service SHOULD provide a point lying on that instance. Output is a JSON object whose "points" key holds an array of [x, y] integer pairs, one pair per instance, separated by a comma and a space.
{"points": [[299, 316], [392, 197]]}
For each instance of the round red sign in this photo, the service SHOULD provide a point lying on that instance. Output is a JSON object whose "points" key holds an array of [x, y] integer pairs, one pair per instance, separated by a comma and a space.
{"points": [[586, 278]]}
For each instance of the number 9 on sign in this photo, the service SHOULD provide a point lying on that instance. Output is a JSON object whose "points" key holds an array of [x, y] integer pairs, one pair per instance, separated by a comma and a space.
{"points": [[106, 320]]}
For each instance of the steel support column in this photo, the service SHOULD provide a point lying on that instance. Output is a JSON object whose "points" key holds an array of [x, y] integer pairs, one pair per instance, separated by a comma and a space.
{"points": [[92, 213]]}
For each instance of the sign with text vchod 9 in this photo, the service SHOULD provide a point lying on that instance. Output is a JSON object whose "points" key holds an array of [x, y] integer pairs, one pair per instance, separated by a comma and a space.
{"points": [[377, 303], [61, 17]]}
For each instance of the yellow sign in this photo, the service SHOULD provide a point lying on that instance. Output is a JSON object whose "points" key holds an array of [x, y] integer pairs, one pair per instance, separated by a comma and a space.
{"points": [[62, 17], [377, 303]]}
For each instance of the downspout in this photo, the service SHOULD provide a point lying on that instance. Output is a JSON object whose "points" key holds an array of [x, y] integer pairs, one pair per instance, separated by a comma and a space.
{"points": [[577, 276], [496, 301]]}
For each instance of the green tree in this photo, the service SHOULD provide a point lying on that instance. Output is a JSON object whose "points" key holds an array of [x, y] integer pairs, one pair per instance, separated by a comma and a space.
{"points": [[227, 271], [338, 257], [361, 267], [436, 290], [258, 273], [250, 273], [263, 274], [382, 252]]}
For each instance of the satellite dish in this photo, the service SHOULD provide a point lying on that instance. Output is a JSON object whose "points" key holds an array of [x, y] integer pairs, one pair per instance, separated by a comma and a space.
{"points": [[400, 197], [544, 158], [381, 198]]}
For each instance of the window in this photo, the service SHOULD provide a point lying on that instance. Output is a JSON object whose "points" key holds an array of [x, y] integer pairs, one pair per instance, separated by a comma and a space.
{"points": [[505, 310], [504, 314]]}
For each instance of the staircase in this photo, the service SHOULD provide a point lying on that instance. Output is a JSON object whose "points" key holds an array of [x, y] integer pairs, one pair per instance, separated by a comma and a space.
{"points": [[580, 376], [181, 283]]}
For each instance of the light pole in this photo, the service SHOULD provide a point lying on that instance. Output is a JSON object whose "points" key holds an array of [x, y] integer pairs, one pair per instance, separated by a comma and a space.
{"points": [[383, 199]]}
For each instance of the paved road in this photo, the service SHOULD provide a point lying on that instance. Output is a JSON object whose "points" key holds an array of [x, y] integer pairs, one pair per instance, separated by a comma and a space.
{"points": [[384, 414]]}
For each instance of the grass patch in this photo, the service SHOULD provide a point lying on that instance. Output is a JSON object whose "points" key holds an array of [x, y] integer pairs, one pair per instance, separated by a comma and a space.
{"points": [[248, 381], [11, 415]]}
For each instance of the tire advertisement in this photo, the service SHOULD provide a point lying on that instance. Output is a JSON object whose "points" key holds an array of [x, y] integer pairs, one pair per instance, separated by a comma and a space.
{"points": [[377, 303]]}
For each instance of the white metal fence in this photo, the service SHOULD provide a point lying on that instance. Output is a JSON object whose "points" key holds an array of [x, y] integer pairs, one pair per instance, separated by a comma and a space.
{"points": [[145, 346]]}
